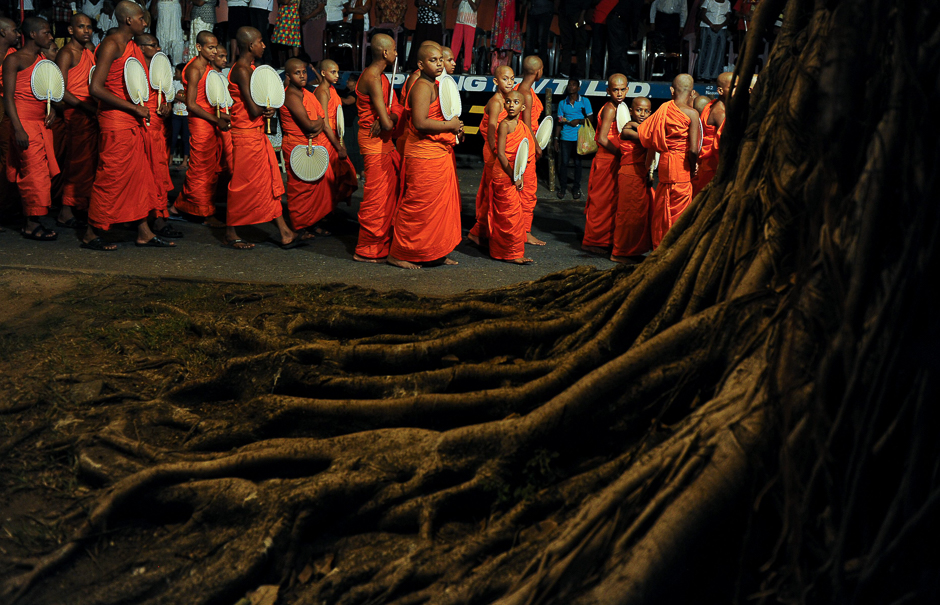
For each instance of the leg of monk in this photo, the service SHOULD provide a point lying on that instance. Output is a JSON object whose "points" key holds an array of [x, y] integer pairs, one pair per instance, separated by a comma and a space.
{"points": [[632, 221], [82, 159], [481, 229], [507, 221], [530, 188], [379, 200], [601, 203], [427, 222], [31, 170], [202, 174]]}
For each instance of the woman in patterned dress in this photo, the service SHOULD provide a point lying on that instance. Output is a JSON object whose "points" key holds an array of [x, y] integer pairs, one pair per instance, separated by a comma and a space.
{"points": [[507, 38], [201, 18], [287, 29], [312, 24]]}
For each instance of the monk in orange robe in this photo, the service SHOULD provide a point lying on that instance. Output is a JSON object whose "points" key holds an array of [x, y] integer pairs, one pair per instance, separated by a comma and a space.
{"points": [[75, 62], [205, 151], [254, 194], [676, 133], [59, 137], [381, 160], [9, 38], [427, 222], [507, 220], [601, 205], [302, 121], [531, 73], [634, 195], [345, 181], [225, 136], [124, 187], [160, 109], [31, 163], [493, 113], [713, 116]]}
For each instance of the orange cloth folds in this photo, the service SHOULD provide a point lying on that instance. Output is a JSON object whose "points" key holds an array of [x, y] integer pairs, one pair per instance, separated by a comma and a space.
{"points": [[667, 131], [205, 157], [345, 179], [600, 207], [708, 156], [159, 159], [508, 220], [634, 201], [307, 203], [481, 228], [254, 194]]}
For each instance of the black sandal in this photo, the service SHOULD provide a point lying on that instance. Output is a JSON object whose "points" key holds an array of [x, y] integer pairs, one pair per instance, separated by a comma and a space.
{"points": [[156, 242], [168, 231], [100, 245], [40, 234]]}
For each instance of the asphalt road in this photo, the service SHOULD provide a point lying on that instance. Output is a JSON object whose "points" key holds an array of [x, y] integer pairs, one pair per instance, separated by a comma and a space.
{"points": [[200, 254]]}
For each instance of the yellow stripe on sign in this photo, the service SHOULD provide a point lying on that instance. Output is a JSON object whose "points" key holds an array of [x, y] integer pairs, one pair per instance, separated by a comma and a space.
{"points": [[471, 129], [477, 109]]}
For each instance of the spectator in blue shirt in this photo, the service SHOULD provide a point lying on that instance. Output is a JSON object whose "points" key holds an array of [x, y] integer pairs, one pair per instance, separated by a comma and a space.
{"points": [[573, 110]]}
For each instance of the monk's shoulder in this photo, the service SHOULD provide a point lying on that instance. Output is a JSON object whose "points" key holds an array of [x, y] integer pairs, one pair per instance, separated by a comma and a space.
{"points": [[688, 112], [321, 93], [717, 114], [608, 111]]}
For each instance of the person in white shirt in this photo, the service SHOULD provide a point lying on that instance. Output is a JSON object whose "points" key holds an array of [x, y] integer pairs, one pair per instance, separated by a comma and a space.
{"points": [[714, 16], [667, 18]]}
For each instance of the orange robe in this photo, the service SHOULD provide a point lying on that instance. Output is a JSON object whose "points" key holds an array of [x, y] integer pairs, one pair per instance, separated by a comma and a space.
{"points": [[124, 188], [345, 180], [307, 203], [481, 228], [634, 200], [530, 181], [427, 222], [667, 131], [507, 220], [708, 156], [159, 158], [6, 131], [601, 205], [381, 165], [400, 133], [83, 138], [205, 156], [256, 188], [32, 169]]}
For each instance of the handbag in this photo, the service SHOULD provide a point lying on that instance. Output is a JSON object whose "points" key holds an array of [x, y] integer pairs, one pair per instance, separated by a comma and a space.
{"points": [[586, 143]]}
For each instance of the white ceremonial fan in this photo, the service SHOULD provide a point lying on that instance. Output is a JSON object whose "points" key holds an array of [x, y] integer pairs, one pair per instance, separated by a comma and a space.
{"points": [[623, 116], [47, 83], [216, 88], [161, 77], [544, 134], [450, 98], [340, 122], [91, 72], [522, 158], [135, 79], [267, 89], [309, 162]]}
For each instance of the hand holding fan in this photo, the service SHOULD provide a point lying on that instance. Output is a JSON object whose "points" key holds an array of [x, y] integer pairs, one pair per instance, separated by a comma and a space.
{"points": [[309, 162], [267, 89], [450, 98], [91, 72], [623, 116], [544, 134], [522, 158], [161, 77], [135, 79], [47, 83], [215, 91], [340, 123]]}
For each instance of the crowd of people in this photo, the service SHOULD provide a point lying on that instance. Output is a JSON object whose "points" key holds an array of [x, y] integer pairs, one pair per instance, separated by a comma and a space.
{"points": [[115, 167], [297, 28]]}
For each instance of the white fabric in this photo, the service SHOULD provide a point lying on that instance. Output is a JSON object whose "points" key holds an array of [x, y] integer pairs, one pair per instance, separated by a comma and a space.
{"points": [[466, 15], [670, 7], [179, 109], [170, 31], [195, 26], [715, 11], [92, 9], [265, 4], [237, 3], [334, 10]]}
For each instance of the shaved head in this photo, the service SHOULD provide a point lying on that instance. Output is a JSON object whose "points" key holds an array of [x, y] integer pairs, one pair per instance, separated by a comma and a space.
{"points": [[74, 21], [724, 80], [683, 84], [294, 63], [126, 10], [381, 43], [447, 52], [7, 24], [617, 79], [246, 36], [203, 37], [33, 25], [328, 65], [429, 43], [144, 39], [515, 94], [502, 69], [428, 51], [531, 65], [639, 102]]}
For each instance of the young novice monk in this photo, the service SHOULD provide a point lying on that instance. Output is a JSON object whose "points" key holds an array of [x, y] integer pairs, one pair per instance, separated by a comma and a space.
{"points": [[507, 224], [225, 136], [302, 120], [345, 181], [32, 162], [634, 195], [493, 113], [427, 223], [601, 203], [531, 73], [450, 62]]}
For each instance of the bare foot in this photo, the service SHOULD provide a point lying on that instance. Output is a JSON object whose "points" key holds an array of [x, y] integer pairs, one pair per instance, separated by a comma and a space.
{"points": [[363, 259], [595, 250], [405, 264], [531, 239], [450, 261], [213, 223], [474, 238], [627, 260], [520, 261]]}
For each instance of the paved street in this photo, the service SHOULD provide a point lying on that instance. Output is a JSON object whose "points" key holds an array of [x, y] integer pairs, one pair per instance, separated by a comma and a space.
{"points": [[200, 254]]}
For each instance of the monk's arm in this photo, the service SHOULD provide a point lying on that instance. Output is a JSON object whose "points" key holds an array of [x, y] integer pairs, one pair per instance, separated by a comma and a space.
{"points": [[695, 139], [420, 105], [64, 60], [527, 111], [502, 134], [603, 128], [493, 109], [10, 69], [717, 116], [323, 96], [194, 74], [241, 75], [377, 96], [295, 105], [629, 132], [106, 55]]}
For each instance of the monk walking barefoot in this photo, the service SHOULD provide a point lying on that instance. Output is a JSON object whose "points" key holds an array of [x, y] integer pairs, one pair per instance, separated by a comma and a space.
{"points": [[507, 227], [345, 181], [634, 195], [531, 73]]}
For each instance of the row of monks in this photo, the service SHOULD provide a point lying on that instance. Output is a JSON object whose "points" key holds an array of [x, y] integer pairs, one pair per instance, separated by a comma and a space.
{"points": [[410, 213]]}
